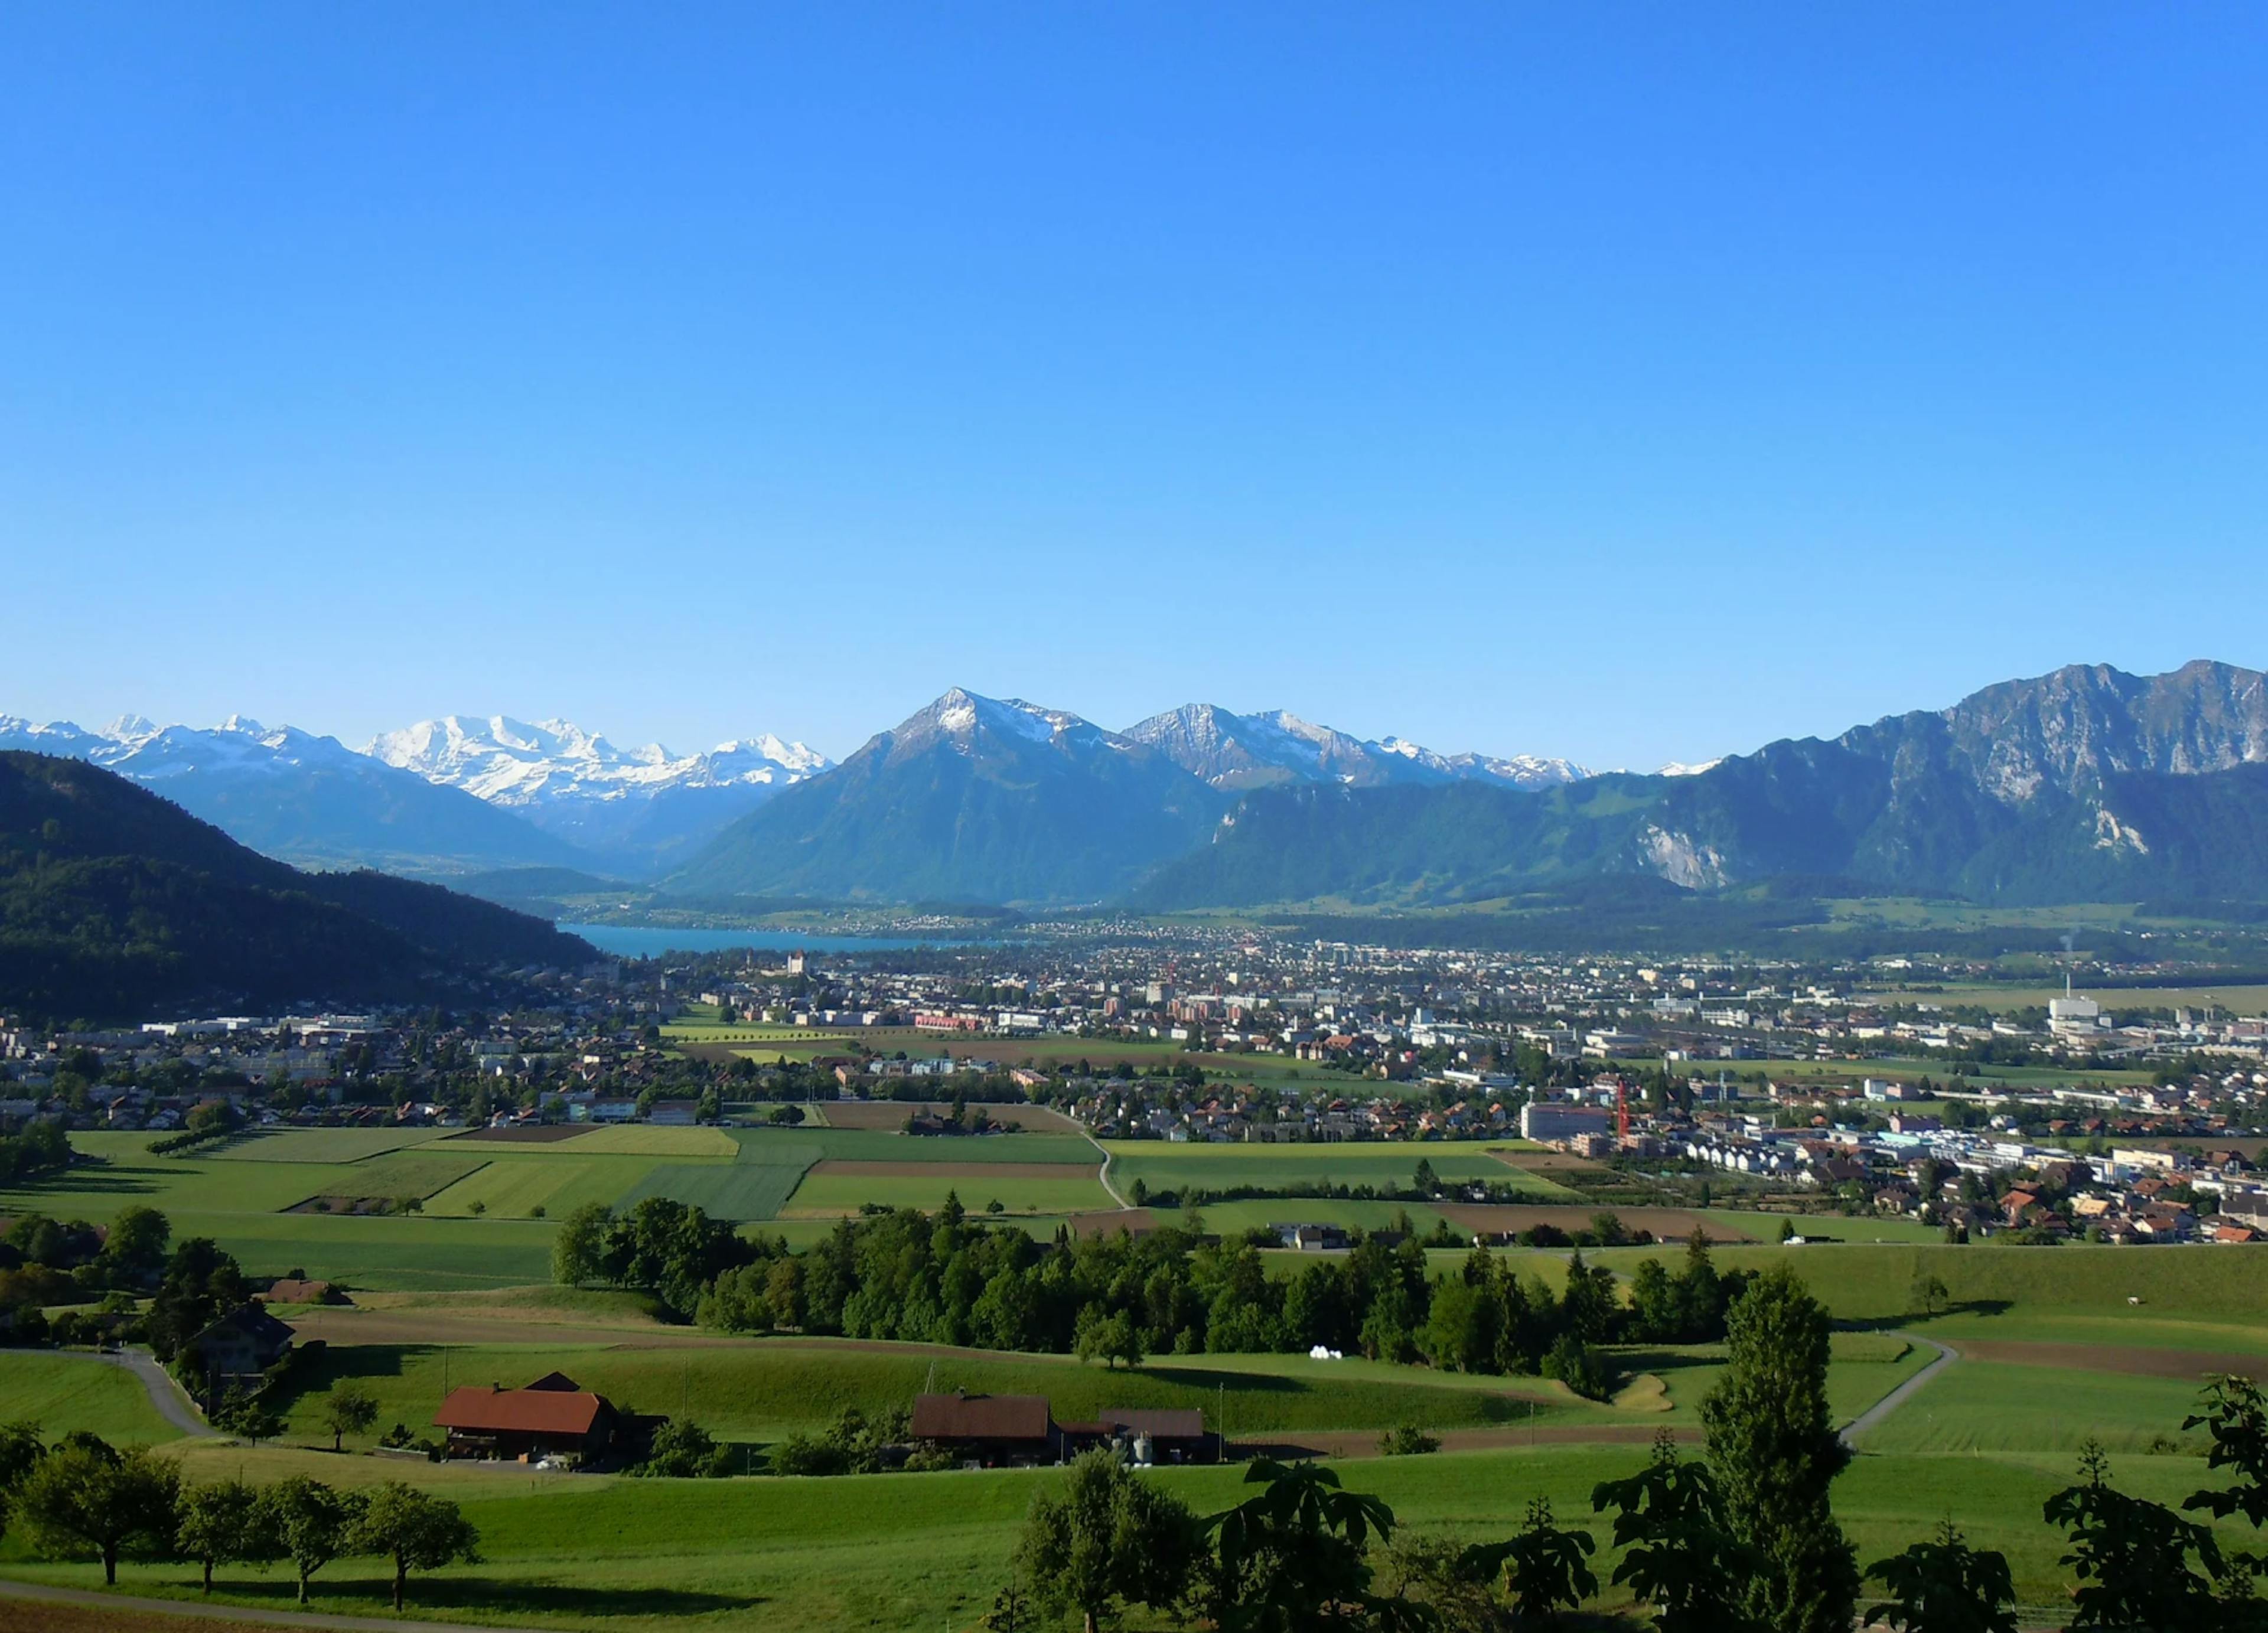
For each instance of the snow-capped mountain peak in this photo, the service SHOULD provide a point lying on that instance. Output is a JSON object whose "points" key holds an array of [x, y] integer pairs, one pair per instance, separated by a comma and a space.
{"points": [[513, 762], [964, 718], [1245, 751]]}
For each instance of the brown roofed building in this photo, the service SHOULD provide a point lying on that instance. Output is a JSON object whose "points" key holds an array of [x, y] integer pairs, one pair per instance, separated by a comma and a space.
{"points": [[235, 1350], [994, 1429], [549, 1418], [1172, 1436]]}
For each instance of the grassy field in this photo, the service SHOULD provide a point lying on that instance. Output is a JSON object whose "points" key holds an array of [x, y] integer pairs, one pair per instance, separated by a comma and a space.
{"points": [[824, 1193], [1986, 1442], [756, 1390], [78, 1391], [480, 1225], [814, 1556], [701, 1034], [1851, 1072], [738, 1191], [324, 1145], [1163, 1166], [641, 1139], [1998, 998]]}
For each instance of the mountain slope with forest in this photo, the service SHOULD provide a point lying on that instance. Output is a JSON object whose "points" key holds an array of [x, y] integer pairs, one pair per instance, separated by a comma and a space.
{"points": [[115, 903]]}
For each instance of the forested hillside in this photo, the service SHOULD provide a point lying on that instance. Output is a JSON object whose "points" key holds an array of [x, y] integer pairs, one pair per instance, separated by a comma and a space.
{"points": [[115, 903]]}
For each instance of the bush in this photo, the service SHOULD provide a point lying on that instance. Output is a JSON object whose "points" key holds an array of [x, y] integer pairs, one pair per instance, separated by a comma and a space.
{"points": [[1407, 1440], [683, 1451], [1581, 1368]]}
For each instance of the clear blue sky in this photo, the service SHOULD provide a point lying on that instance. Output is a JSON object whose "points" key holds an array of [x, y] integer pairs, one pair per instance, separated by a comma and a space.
{"points": [[1623, 382]]}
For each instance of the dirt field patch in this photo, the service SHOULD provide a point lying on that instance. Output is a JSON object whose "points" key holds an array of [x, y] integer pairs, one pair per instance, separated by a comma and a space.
{"points": [[1033, 1171], [2133, 1361], [532, 1134], [49, 1616], [893, 1114], [1667, 1224], [1110, 1221]]}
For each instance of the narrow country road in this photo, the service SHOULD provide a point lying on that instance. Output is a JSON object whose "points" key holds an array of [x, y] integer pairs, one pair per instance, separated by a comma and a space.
{"points": [[166, 1396], [40, 1593], [1103, 1174], [1873, 1416]]}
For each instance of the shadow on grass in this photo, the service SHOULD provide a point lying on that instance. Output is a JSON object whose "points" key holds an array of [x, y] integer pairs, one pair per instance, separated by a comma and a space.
{"points": [[1916, 1319], [336, 1364], [1209, 1377], [107, 1181], [490, 1596]]}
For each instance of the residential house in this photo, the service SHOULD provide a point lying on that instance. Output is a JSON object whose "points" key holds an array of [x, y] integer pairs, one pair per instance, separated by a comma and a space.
{"points": [[552, 1416]]}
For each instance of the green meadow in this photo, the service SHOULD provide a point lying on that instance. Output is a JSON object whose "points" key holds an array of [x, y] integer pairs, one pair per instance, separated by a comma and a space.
{"points": [[926, 1187], [1985, 1441], [1164, 1166]]}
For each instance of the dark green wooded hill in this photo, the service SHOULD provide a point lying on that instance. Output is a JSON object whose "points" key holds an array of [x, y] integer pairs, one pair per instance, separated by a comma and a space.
{"points": [[115, 903]]}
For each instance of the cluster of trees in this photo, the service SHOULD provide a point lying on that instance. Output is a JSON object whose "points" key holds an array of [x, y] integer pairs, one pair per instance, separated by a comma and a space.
{"points": [[663, 1246], [46, 1261], [84, 1497], [33, 1152], [904, 1275]]}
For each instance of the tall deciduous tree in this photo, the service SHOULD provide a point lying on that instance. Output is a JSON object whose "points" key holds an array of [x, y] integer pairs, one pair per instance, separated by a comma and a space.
{"points": [[1773, 1454], [350, 1410], [1944, 1585], [1545, 1567], [413, 1529], [20, 1449], [1677, 1556], [86, 1496], [312, 1523], [2131, 1557], [2236, 1418], [1106, 1537], [578, 1248], [223, 1522], [1294, 1558]]}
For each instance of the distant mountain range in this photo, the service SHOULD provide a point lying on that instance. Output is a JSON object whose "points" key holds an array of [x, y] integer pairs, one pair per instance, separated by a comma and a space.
{"points": [[116, 903], [464, 794], [2087, 784], [304, 798], [635, 809], [1266, 750]]}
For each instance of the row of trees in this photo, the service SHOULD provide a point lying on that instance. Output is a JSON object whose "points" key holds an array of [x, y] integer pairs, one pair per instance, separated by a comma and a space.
{"points": [[82, 1496], [904, 1275]]}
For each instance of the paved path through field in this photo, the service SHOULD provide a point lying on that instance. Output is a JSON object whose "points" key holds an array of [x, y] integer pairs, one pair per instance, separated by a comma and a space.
{"points": [[1873, 1416], [1104, 1174], [40, 1592], [166, 1396]]}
